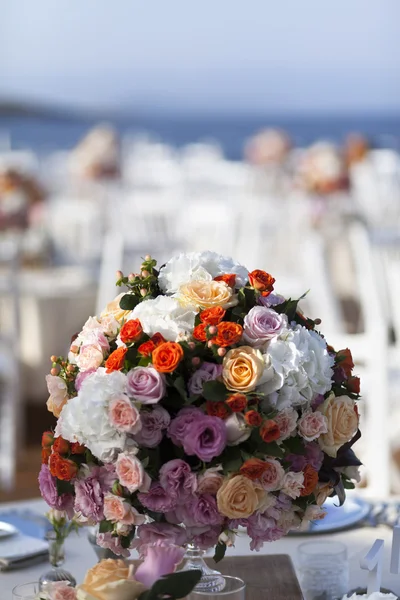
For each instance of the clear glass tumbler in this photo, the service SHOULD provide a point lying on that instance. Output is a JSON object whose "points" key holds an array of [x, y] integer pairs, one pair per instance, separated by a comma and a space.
{"points": [[234, 589], [323, 569], [26, 591]]}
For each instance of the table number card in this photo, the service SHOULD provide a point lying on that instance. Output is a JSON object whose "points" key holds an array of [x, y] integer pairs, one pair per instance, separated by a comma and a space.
{"points": [[373, 563]]}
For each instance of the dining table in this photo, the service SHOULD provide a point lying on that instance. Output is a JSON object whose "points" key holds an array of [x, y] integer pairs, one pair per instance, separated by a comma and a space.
{"points": [[80, 554]]}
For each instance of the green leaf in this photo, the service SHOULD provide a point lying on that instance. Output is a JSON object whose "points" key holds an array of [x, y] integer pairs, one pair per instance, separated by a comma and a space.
{"points": [[271, 449], [144, 361], [231, 459], [131, 355], [64, 487], [214, 391], [179, 384], [175, 585], [220, 550], [128, 302], [105, 526], [294, 445]]}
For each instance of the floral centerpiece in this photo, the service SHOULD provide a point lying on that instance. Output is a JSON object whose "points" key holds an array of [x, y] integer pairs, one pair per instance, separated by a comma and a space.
{"points": [[198, 402]]}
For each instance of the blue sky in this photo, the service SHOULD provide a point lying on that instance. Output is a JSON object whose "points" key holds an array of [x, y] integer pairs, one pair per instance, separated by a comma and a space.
{"points": [[209, 55]]}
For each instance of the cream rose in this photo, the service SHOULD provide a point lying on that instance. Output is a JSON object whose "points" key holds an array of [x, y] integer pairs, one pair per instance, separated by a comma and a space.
{"points": [[108, 580], [206, 294], [342, 421], [238, 498], [243, 367], [113, 309], [58, 394]]}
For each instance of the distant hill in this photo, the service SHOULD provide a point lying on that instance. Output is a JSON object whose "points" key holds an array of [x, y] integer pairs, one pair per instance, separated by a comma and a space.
{"points": [[10, 108]]}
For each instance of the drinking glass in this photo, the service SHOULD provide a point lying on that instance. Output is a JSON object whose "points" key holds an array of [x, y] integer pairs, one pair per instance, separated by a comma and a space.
{"points": [[323, 569], [26, 591], [234, 589]]}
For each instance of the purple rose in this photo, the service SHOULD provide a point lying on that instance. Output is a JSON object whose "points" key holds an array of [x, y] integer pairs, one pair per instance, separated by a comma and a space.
{"points": [[204, 537], [205, 437], [261, 325], [271, 300], [178, 480], [149, 533], [207, 372], [89, 492], [48, 490], [146, 385], [200, 510], [178, 427], [80, 378], [157, 499], [314, 455], [283, 502], [153, 424], [297, 462]]}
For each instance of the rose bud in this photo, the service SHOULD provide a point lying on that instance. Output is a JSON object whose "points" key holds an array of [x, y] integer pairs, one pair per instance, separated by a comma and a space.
{"points": [[143, 292], [47, 439], [261, 281], [53, 358], [221, 351], [145, 273], [269, 431], [147, 257], [55, 371], [253, 418], [212, 330], [353, 384], [119, 275], [77, 448], [61, 446]]}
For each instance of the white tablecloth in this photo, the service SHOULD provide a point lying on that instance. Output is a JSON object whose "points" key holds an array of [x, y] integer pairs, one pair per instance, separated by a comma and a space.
{"points": [[80, 555]]}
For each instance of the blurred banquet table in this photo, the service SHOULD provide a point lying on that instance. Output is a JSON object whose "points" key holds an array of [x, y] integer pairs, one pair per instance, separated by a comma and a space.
{"points": [[80, 555], [54, 304]]}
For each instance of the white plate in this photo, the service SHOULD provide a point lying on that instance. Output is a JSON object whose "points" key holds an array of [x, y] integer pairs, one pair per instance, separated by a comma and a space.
{"points": [[352, 512], [6, 530]]}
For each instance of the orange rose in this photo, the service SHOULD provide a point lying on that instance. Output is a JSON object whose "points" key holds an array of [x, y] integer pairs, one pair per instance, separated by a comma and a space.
{"points": [[62, 468], [146, 349], [46, 453], [131, 331], [61, 446], [310, 481], [228, 278], [253, 468], [269, 431], [200, 332], [115, 361], [228, 334], [77, 448], [261, 281], [167, 356], [353, 384], [253, 418], [212, 316], [237, 402], [158, 339], [47, 439], [217, 409], [345, 360]]}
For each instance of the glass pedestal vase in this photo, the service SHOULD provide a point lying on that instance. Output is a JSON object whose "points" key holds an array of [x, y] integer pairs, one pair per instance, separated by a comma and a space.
{"points": [[56, 558], [211, 581]]}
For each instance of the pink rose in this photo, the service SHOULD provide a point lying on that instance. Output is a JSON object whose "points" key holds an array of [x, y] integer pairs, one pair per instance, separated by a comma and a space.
{"points": [[124, 415], [109, 325], [293, 484], [89, 357], [312, 424], [131, 474], [286, 420], [273, 476], [210, 481], [119, 511], [61, 590]]}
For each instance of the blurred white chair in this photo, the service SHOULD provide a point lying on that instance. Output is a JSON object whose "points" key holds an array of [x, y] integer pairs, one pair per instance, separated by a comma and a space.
{"points": [[11, 417]]}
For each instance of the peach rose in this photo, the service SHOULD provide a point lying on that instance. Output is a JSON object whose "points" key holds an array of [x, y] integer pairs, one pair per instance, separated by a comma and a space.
{"points": [[210, 481], [113, 309], [206, 294], [89, 357], [342, 421], [119, 511], [131, 473], [109, 325], [108, 580], [322, 492], [58, 394], [238, 497], [124, 415], [312, 424], [242, 369]]}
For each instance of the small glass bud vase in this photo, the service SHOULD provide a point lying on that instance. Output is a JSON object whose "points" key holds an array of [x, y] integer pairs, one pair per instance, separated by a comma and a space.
{"points": [[211, 581], [56, 558]]}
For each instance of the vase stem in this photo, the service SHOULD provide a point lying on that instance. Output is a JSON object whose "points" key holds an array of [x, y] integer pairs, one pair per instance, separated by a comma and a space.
{"points": [[211, 580]]}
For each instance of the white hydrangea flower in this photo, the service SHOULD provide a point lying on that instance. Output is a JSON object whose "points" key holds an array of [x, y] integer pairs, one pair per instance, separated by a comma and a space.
{"points": [[166, 316], [198, 265], [85, 419], [301, 360]]}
